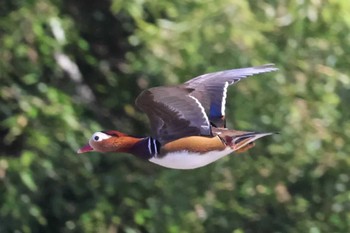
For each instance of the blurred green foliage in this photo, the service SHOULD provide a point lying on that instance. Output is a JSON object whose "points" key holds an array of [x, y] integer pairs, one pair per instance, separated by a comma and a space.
{"points": [[69, 68]]}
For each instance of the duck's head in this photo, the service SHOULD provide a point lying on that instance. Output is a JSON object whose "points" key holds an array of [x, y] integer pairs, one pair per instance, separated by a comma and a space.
{"points": [[108, 141]]}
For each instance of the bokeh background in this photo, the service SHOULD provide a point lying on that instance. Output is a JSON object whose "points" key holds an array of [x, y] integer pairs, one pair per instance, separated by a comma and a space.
{"points": [[69, 68]]}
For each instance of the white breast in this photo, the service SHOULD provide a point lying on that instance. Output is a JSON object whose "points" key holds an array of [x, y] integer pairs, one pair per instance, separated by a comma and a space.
{"points": [[188, 160]]}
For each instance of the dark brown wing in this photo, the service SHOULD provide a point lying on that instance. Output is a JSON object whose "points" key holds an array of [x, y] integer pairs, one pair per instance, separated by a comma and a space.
{"points": [[210, 89], [173, 113]]}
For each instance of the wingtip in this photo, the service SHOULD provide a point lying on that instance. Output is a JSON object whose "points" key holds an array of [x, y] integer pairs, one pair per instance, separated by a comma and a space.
{"points": [[269, 67]]}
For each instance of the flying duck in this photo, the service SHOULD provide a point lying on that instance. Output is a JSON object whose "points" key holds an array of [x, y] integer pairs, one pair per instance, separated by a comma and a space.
{"points": [[187, 123]]}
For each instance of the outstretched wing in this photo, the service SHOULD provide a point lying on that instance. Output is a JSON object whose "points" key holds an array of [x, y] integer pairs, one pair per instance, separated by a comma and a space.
{"points": [[173, 113], [190, 109], [210, 89]]}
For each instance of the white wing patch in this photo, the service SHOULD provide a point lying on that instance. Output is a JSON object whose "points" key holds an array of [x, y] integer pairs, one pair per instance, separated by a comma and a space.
{"points": [[223, 101], [205, 117]]}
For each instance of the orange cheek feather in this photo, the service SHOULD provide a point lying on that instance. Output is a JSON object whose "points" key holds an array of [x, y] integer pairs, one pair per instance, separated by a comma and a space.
{"points": [[115, 144]]}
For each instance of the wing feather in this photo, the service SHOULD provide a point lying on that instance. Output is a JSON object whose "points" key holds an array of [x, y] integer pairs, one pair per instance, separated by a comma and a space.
{"points": [[173, 113], [215, 86], [190, 109]]}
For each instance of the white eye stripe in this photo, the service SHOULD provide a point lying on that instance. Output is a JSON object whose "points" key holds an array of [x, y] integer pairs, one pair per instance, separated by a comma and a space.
{"points": [[99, 136]]}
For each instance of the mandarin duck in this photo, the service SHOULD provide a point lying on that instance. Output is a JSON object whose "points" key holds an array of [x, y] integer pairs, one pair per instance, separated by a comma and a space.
{"points": [[187, 123]]}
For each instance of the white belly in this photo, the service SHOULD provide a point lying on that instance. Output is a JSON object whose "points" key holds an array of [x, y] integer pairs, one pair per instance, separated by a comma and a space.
{"points": [[188, 160]]}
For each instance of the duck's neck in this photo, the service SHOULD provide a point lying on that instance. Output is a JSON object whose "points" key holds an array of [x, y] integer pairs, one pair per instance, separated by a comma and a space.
{"points": [[145, 148]]}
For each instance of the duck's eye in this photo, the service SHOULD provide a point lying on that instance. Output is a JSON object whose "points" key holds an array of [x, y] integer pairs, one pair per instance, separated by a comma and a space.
{"points": [[99, 136]]}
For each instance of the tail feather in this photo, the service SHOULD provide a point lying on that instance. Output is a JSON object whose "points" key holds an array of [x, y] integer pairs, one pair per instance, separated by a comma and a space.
{"points": [[244, 140], [238, 139]]}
